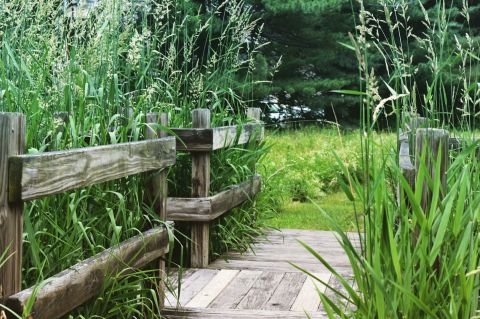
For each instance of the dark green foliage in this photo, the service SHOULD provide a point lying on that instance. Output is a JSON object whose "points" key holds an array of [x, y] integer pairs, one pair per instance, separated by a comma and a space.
{"points": [[307, 36]]}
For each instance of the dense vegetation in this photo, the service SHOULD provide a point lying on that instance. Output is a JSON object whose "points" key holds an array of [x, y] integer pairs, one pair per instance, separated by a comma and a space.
{"points": [[415, 260], [302, 174], [107, 68], [311, 38]]}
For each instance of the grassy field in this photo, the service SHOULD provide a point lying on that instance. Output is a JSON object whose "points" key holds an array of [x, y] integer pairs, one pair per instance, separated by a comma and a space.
{"points": [[302, 174]]}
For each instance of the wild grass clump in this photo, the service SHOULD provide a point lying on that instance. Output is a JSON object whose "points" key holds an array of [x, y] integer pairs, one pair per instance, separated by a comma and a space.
{"points": [[107, 67], [301, 163], [413, 262]]}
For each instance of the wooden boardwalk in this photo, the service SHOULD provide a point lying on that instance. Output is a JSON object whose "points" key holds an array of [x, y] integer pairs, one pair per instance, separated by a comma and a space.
{"points": [[261, 284]]}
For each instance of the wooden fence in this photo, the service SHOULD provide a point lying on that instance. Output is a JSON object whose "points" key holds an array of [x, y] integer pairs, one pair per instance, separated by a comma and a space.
{"points": [[418, 145], [28, 177]]}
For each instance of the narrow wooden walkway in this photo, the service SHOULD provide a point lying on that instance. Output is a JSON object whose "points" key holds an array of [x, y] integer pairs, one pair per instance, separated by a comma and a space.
{"points": [[261, 284]]}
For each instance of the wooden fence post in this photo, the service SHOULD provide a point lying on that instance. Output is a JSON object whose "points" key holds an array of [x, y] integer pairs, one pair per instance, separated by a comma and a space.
{"points": [[254, 113], [435, 143], [12, 142], [159, 193], [200, 188]]}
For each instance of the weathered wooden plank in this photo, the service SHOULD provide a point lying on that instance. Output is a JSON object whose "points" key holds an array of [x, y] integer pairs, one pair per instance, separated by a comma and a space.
{"points": [[193, 139], [228, 136], [286, 292], [280, 266], [12, 142], [236, 195], [35, 176], [208, 208], [77, 284], [189, 209], [190, 287], [308, 298], [212, 289], [261, 290], [216, 313], [337, 285], [200, 233], [236, 290]]}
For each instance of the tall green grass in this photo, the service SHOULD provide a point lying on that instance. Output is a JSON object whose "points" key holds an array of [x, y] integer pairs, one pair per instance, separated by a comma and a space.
{"points": [[410, 262], [107, 69]]}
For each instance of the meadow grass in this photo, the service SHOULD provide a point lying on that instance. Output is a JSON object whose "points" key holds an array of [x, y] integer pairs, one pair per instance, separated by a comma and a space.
{"points": [[412, 261], [107, 70], [302, 173]]}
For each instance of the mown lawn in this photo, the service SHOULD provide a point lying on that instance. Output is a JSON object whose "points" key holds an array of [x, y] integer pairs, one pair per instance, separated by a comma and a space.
{"points": [[307, 215]]}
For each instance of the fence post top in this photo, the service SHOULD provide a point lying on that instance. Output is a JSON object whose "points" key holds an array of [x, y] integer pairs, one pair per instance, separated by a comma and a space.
{"points": [[11, 114], [200, 111], [432, 131]]}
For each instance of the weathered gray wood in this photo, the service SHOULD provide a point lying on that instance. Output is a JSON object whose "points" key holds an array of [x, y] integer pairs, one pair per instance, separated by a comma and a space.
{"points": [[74, 286], [254, 113], [286, 292], [190, 287], [12, 142], [407, 169], [236, 195], [189, 209], [435, 143], [209, 139], [212, 289], [261, 290], [236, 290], [414, 124], [39, 175], [308, 298], [200, 188], [228, 136], [193, 139], [239, 314], [209, 208], [158, 194]]}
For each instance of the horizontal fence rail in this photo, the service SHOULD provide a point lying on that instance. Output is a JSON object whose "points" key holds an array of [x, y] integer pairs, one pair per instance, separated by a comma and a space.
{"points": [[74, 286], [28, 177], [39, 175], [210, 139], [208, 208]]}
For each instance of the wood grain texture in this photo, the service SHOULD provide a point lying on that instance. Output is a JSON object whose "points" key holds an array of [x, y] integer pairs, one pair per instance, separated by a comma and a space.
{"points": [[286, 292], [193, 139], [212, 289], [209, 139], [77, 284], [157, 193], [308, 298], [239, 314], [39, 175], [261, 291], [208, 208], [12, 142], [236, 290], [200, 233], [236, 195], [434, 142], [190, 287], [228, 136], [281, 283], [189, 209]]}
